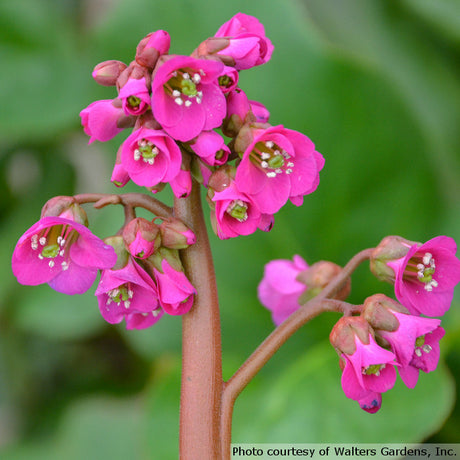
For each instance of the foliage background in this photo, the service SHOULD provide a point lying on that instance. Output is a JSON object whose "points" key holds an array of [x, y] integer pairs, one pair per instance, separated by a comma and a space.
{"points": [[374, 83]]}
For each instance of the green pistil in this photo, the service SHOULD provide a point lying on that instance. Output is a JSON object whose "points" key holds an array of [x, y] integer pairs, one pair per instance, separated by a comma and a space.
{"points": [[427, 275], [188, 88], [225, 81], [239, 212], [50, 251], [373, 369], [276, 161], [420, 341], [147, 151], [134, 101], [122, 295]]}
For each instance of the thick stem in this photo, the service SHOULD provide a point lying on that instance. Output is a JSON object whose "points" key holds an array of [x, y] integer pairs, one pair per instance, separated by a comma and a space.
{"points": [[201, 389], [277, 338]]}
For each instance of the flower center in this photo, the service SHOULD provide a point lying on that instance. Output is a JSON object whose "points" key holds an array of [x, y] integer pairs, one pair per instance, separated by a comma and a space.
{"points": [[147, 151], [183, 86], [423, 267], [134, 102], [54, 243], [271, 158], [238, 209], [122, 293], [373, 369], [421, 347]]}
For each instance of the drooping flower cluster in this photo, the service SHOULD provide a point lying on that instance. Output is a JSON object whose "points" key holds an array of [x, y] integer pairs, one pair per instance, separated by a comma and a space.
{"points": [[141, 273], [189, 118], [387, 337]]}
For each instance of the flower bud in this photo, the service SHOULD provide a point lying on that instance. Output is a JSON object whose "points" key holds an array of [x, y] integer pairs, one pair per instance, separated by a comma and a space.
{"points": [[343, 334], [390, 248], [118, 244], [175, 234], [238, 113], [318, 276], [151, 47], [106, 73], [377, 311], [141, 237], [170, 255], [134, 71], [65, 206]]}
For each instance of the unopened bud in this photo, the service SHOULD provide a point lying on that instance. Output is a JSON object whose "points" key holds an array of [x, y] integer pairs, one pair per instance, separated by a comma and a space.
{"points": [[141, 237], [391, 248], [211, 46], [118, 244], [106, 73], [151, 47], [65, 207], [136, 71], [171, 255], [377, 311], [175, 234], [345, 331], [318, 276]]}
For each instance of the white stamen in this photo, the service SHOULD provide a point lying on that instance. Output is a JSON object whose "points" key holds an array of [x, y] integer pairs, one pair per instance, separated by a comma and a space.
{"points": [[428, 287], [109, 301], [51, 263], [64, 265], [199, 94], [59, 239], [434, 283], [40, 256], [288, 171], [427, 258], [155, 312], [278, 171], [290, 164], [418, 352], [264, 164], [271, 174], [186, 76], [61, 252], [427, 348], [150, 161], [130, 293], [42, 241], [188, 103], [198, 100], [176, 93], [178, 101], [277, 152], [269, 144], [265, 156], [420, 267], [34, 238], [196, 78], [127, 303], [137, 155]]}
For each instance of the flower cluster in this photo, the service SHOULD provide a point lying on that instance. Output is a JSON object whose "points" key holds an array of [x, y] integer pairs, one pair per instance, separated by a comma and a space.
{"points": [[386, 337], [141, 273], [190, 119]]}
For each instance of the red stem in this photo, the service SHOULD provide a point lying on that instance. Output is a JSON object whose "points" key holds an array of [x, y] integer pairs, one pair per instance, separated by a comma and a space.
{"points": [[201, 389]]}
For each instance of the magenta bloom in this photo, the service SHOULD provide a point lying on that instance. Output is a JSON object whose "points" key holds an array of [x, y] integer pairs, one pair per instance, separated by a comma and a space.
{"points": [[62, 253], [371, 402], [260, 111], [425, 356], [248, 45], [186, 97], [143, 320], [279, 289], [150, 156], [181, 185], [369, 370], [135, 96], [175, 291], [228, 81], [426, 277], [127, 291], [279, 164], [235, 214], [100, 120], [211, 148]]}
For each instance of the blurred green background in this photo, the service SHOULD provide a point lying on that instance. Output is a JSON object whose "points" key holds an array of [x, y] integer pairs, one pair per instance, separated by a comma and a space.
{"points": [[374, 83]]}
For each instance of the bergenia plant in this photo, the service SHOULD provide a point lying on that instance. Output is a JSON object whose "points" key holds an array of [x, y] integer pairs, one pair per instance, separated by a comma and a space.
{"points": [[192, 127]]}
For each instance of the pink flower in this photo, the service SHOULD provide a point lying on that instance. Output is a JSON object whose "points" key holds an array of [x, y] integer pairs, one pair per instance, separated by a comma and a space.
{"points": [[235, 214], [277, 165], [426, 277], [370, 369], [151, 47], [135, 96], [143, 320], [100, 120], [150, 156], [175, 291], [371, 402], [228, 80], [248, 45], [279, 289], [120, 177], [260, 112], [181, 185], [425, 356], [186, 97], [127, 291], [210, 147], [62, 253]]}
